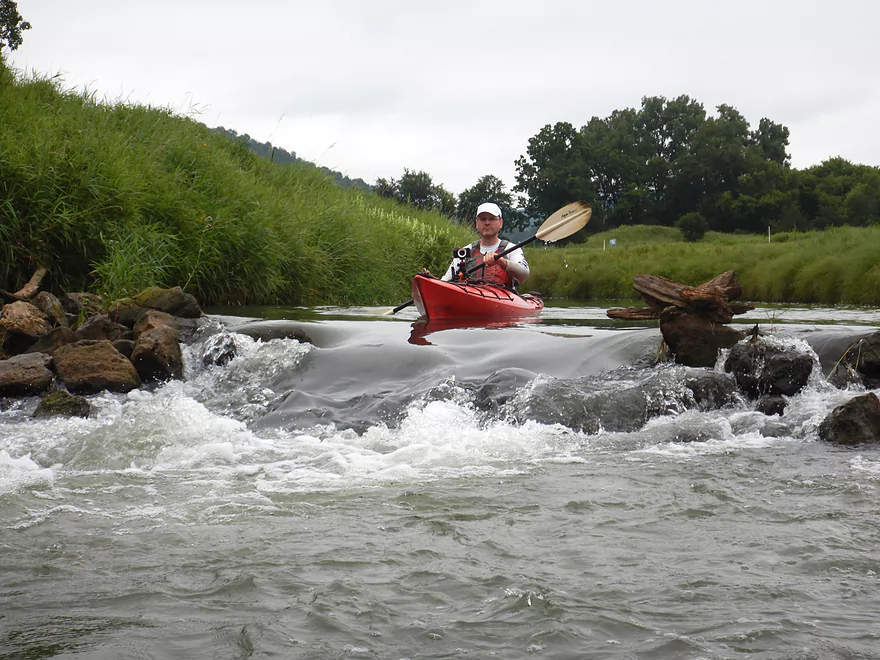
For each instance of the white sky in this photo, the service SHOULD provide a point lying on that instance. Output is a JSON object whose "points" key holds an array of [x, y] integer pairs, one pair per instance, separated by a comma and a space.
{"points": [[457, 88]]}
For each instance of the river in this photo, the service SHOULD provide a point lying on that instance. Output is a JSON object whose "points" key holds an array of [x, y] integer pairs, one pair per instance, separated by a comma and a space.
{"points": [[540, 490]]}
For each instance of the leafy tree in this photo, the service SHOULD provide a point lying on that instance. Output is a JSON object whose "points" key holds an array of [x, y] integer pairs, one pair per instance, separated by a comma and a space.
{"points": [[861, 204], [386, 188], [771, 139], [555, 171], [490, 188], [445, 201], [417, 189], [692, 226], [11, 25]]}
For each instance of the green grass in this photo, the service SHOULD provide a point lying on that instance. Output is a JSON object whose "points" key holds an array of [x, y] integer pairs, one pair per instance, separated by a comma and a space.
{"points": [[116, 197], [838, 266]]}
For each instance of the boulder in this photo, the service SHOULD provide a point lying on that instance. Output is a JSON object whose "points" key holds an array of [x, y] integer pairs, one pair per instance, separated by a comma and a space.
{"points": [[157, 354], [81, 304], [172, 301], [855, 422], [763, 369], [89, 366], [100, 326], [62, 403], [693, 340], [22, 318], [712, 390], [24, 375], [124, 346], [152, 318], [51, 307], [51, 342]]}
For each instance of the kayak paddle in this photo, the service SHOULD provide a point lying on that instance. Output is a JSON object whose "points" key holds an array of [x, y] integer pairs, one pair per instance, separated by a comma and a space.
{"points": [[562, 224]]}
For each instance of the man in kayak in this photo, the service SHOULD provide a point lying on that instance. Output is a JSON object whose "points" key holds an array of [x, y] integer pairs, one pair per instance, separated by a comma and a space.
{"points": [[507, 271]]}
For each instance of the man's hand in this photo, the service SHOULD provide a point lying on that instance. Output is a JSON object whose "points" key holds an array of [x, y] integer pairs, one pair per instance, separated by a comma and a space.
{"points": [[492, 257]]}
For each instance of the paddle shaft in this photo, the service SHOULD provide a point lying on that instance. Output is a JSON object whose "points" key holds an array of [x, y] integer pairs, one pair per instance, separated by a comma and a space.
{"points": [[476, 268]]}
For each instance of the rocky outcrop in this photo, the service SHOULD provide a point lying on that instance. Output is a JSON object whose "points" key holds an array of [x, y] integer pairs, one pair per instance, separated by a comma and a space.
{"points": [[89, 366], [62, 403], [852, 423], [172, 301], [763, 369], [98, 353], [23, 375]]}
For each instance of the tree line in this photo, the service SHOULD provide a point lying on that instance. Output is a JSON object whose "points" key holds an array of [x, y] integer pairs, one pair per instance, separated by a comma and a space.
{"points": [[667, 163]]}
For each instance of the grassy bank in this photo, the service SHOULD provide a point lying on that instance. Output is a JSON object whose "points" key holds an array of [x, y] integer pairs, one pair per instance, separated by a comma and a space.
{"points": [[831, 267], [114, 197]]}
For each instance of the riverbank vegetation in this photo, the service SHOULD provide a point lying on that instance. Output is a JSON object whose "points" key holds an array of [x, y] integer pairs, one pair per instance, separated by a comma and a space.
{"points": [[114, 197], [831, 267]]}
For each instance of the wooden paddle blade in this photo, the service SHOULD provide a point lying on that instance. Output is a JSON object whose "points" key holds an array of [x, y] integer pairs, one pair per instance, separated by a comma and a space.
{"points": [[565, 222]]}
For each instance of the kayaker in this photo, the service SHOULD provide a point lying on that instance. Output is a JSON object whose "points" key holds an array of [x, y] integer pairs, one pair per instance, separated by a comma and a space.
{"points": [[508, 271]]}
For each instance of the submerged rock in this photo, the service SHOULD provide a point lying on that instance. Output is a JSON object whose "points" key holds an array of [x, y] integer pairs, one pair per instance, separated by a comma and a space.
{"points": [[771, 405], [219, 349], [63, 403], [855, 422], [761, 368]]}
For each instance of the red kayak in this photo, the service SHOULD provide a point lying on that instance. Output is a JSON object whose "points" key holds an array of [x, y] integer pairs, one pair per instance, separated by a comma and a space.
{"points": [[436, 299]]}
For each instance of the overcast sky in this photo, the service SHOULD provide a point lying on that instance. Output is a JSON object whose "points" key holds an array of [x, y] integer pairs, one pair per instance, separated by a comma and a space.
{"points": [[457, 88]]}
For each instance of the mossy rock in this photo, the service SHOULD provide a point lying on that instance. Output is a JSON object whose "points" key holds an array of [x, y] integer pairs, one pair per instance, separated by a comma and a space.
{"points": [[63, 403]]}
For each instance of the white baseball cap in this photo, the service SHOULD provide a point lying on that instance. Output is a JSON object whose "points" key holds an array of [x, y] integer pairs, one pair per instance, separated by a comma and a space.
{"points": [[489, 207]]}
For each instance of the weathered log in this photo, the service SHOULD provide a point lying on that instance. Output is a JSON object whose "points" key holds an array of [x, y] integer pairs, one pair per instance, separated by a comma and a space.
{"points": [[30, 289], [709, 300], [634, 313]]}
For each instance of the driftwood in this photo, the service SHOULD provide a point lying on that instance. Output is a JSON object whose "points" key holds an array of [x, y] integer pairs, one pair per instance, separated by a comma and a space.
{"points": [[710, 300], [30, 289]]}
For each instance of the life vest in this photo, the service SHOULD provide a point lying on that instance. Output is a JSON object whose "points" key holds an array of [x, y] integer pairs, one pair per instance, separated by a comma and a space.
{"points": [[493, 274]]}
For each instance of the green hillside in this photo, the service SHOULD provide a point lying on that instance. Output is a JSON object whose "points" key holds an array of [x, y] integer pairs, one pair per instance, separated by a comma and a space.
{"points": [[115, 197]]}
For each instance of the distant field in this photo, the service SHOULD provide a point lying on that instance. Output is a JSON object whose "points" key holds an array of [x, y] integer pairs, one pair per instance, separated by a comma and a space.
{"points": [[838, 266]]}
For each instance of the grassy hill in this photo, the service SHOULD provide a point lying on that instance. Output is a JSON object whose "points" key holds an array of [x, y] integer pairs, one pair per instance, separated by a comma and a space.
{"points": [[115, 197]]}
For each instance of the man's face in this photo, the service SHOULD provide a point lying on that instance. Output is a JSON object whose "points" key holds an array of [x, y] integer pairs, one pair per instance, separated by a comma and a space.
{"points": [[488, 225]]}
